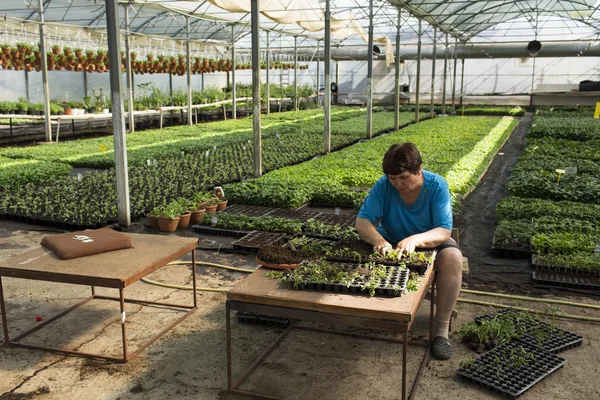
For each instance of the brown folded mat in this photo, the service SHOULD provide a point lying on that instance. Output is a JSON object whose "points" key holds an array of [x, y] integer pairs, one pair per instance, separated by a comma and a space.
{"points": [[86, 243]]}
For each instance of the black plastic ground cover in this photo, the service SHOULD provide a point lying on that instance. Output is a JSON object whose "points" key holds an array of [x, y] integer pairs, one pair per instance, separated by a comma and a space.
{"points": [[564, 279], [249, 210], [511, 253], [539, 334], [497, 372], [209, 230], [300, 215], [391, 286], [256, 239], [259, 319]]}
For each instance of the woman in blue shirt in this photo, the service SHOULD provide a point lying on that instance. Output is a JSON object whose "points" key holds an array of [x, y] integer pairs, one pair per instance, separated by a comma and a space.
{"points": [[414, 210]]}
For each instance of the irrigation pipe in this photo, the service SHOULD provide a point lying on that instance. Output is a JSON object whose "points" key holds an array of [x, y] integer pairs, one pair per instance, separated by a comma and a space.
{"points": [[567, 316], [525, 298], [198, 289]]}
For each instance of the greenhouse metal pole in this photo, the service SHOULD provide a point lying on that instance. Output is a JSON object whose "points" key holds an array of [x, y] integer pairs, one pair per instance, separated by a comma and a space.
{"points": [[370, 75], [397, 77], [327, 67], [454, 78], [188, 56], [47, 122], [296, 73], [128, 72], [318, 73], [462, 81], [267, 88], [233, 93], [418, 85], [256, 88], [433, 73], [445, 76], [119, 137]]}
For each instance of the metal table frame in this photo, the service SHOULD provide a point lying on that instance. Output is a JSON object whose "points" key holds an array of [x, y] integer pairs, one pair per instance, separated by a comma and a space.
{"points": [[122, 300], [402, 327]]}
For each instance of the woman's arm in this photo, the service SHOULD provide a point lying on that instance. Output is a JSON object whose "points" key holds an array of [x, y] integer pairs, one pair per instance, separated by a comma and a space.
{"points": [[430, 239], [369, 234]]}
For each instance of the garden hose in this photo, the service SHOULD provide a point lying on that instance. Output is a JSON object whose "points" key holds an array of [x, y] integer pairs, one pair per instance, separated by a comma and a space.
{"points": [[525, 298], [198, 289], [567, 316]]}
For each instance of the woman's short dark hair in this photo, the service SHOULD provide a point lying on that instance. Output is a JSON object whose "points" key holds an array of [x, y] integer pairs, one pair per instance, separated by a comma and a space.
{"points": [[402, 157]]}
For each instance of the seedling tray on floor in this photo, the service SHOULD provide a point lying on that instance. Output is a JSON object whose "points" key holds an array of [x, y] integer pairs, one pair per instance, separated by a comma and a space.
{"points": [[495, 371], [539, 334], [210, 230], [386, 287], [563, 279], [258, 319], [256, 239], [564, 268], [249, 210]]}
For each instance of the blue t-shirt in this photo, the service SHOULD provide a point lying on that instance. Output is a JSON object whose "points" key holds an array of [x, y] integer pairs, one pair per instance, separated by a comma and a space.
{"points": [[432, 209]]}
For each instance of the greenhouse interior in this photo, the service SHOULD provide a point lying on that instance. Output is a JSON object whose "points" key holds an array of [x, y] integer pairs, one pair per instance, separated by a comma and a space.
{"points": [[304, 180]]}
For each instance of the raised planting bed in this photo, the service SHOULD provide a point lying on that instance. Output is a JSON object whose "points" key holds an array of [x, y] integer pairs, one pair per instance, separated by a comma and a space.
{"points": [[210, 230], [252, 211], [567, 280], [374, 279], [256, 239], [534, 332], [259, 319], [511, 368]]}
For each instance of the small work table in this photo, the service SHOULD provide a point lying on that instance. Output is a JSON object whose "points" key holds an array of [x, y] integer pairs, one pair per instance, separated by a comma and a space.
{"points": [[260, 295], [116, 269]]}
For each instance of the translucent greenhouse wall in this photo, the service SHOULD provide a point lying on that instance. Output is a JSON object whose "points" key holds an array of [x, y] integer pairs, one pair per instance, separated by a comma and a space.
{"points": [[482, 76]]}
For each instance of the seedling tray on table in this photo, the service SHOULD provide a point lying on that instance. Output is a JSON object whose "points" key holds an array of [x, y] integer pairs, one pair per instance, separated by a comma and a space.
{"points": [[259, 319], [392, 285], [344, 220], [495, 370], [256, 239], [539, 334], [564, 279]]}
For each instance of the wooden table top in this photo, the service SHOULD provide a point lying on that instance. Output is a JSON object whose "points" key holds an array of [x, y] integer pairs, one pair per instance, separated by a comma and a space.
{"points": [[117, 269], [258, 289]]}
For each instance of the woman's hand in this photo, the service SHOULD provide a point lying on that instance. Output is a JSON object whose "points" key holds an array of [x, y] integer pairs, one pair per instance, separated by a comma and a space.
{"points": [[383, 248], [407, 245]]}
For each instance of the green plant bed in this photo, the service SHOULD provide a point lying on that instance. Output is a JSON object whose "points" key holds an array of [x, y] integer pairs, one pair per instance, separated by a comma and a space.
{"points": [[550, 148], [578, 262], [582, 188], [20, 172], [565, 111], [515, 208], [458, 148], [570, 128], [564, 243]]}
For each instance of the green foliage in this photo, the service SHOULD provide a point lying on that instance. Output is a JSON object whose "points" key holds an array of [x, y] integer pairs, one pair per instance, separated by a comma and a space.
{"points": [[578, 129], [20, 172], [515, 208]]}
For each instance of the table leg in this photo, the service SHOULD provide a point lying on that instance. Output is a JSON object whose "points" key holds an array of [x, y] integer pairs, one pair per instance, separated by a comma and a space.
{"points": [[228, 330], [194, 279], [404, 349], [73, 126], [123, 318], [431, 306], [3, 309], [57, 129], [93, 290]]}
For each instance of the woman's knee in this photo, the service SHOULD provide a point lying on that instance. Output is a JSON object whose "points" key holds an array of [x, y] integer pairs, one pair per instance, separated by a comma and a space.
{"points": [[450, 258]]}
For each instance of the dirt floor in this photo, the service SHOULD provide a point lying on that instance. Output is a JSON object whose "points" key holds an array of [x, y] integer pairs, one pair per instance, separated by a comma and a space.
{"points": [[190, 361]]}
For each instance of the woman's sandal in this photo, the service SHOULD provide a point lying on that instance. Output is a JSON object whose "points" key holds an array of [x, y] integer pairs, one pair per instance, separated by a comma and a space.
{"points": [[441, 348]]}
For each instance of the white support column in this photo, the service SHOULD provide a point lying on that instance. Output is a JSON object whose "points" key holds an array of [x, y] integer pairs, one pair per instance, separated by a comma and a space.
{"points": [[433, 73], [318, 72], [256, 128], [47, 121], [267, 83], [445, 76], [295, 73], [327, 92], [128, 72], [370, 75], [397, 76], [188, 56], [454, 79], [418, 85], [119, 137], [233, 91], [462, 81]]}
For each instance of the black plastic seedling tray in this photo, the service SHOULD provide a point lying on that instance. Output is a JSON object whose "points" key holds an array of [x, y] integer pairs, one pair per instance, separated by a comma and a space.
{"points": [[344, 220], [511, 253], [249, 210], [539, 334], [210, 230], [496, 371], [563, 279], [300, 215], [256, 239], [385, 288], [259, 319]]}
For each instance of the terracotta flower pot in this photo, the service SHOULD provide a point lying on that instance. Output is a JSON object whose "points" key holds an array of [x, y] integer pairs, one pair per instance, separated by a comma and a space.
{"points": [[167, 224], [152, 221], [197, 216], [211, 209], [221, 205], [184, 221]]}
